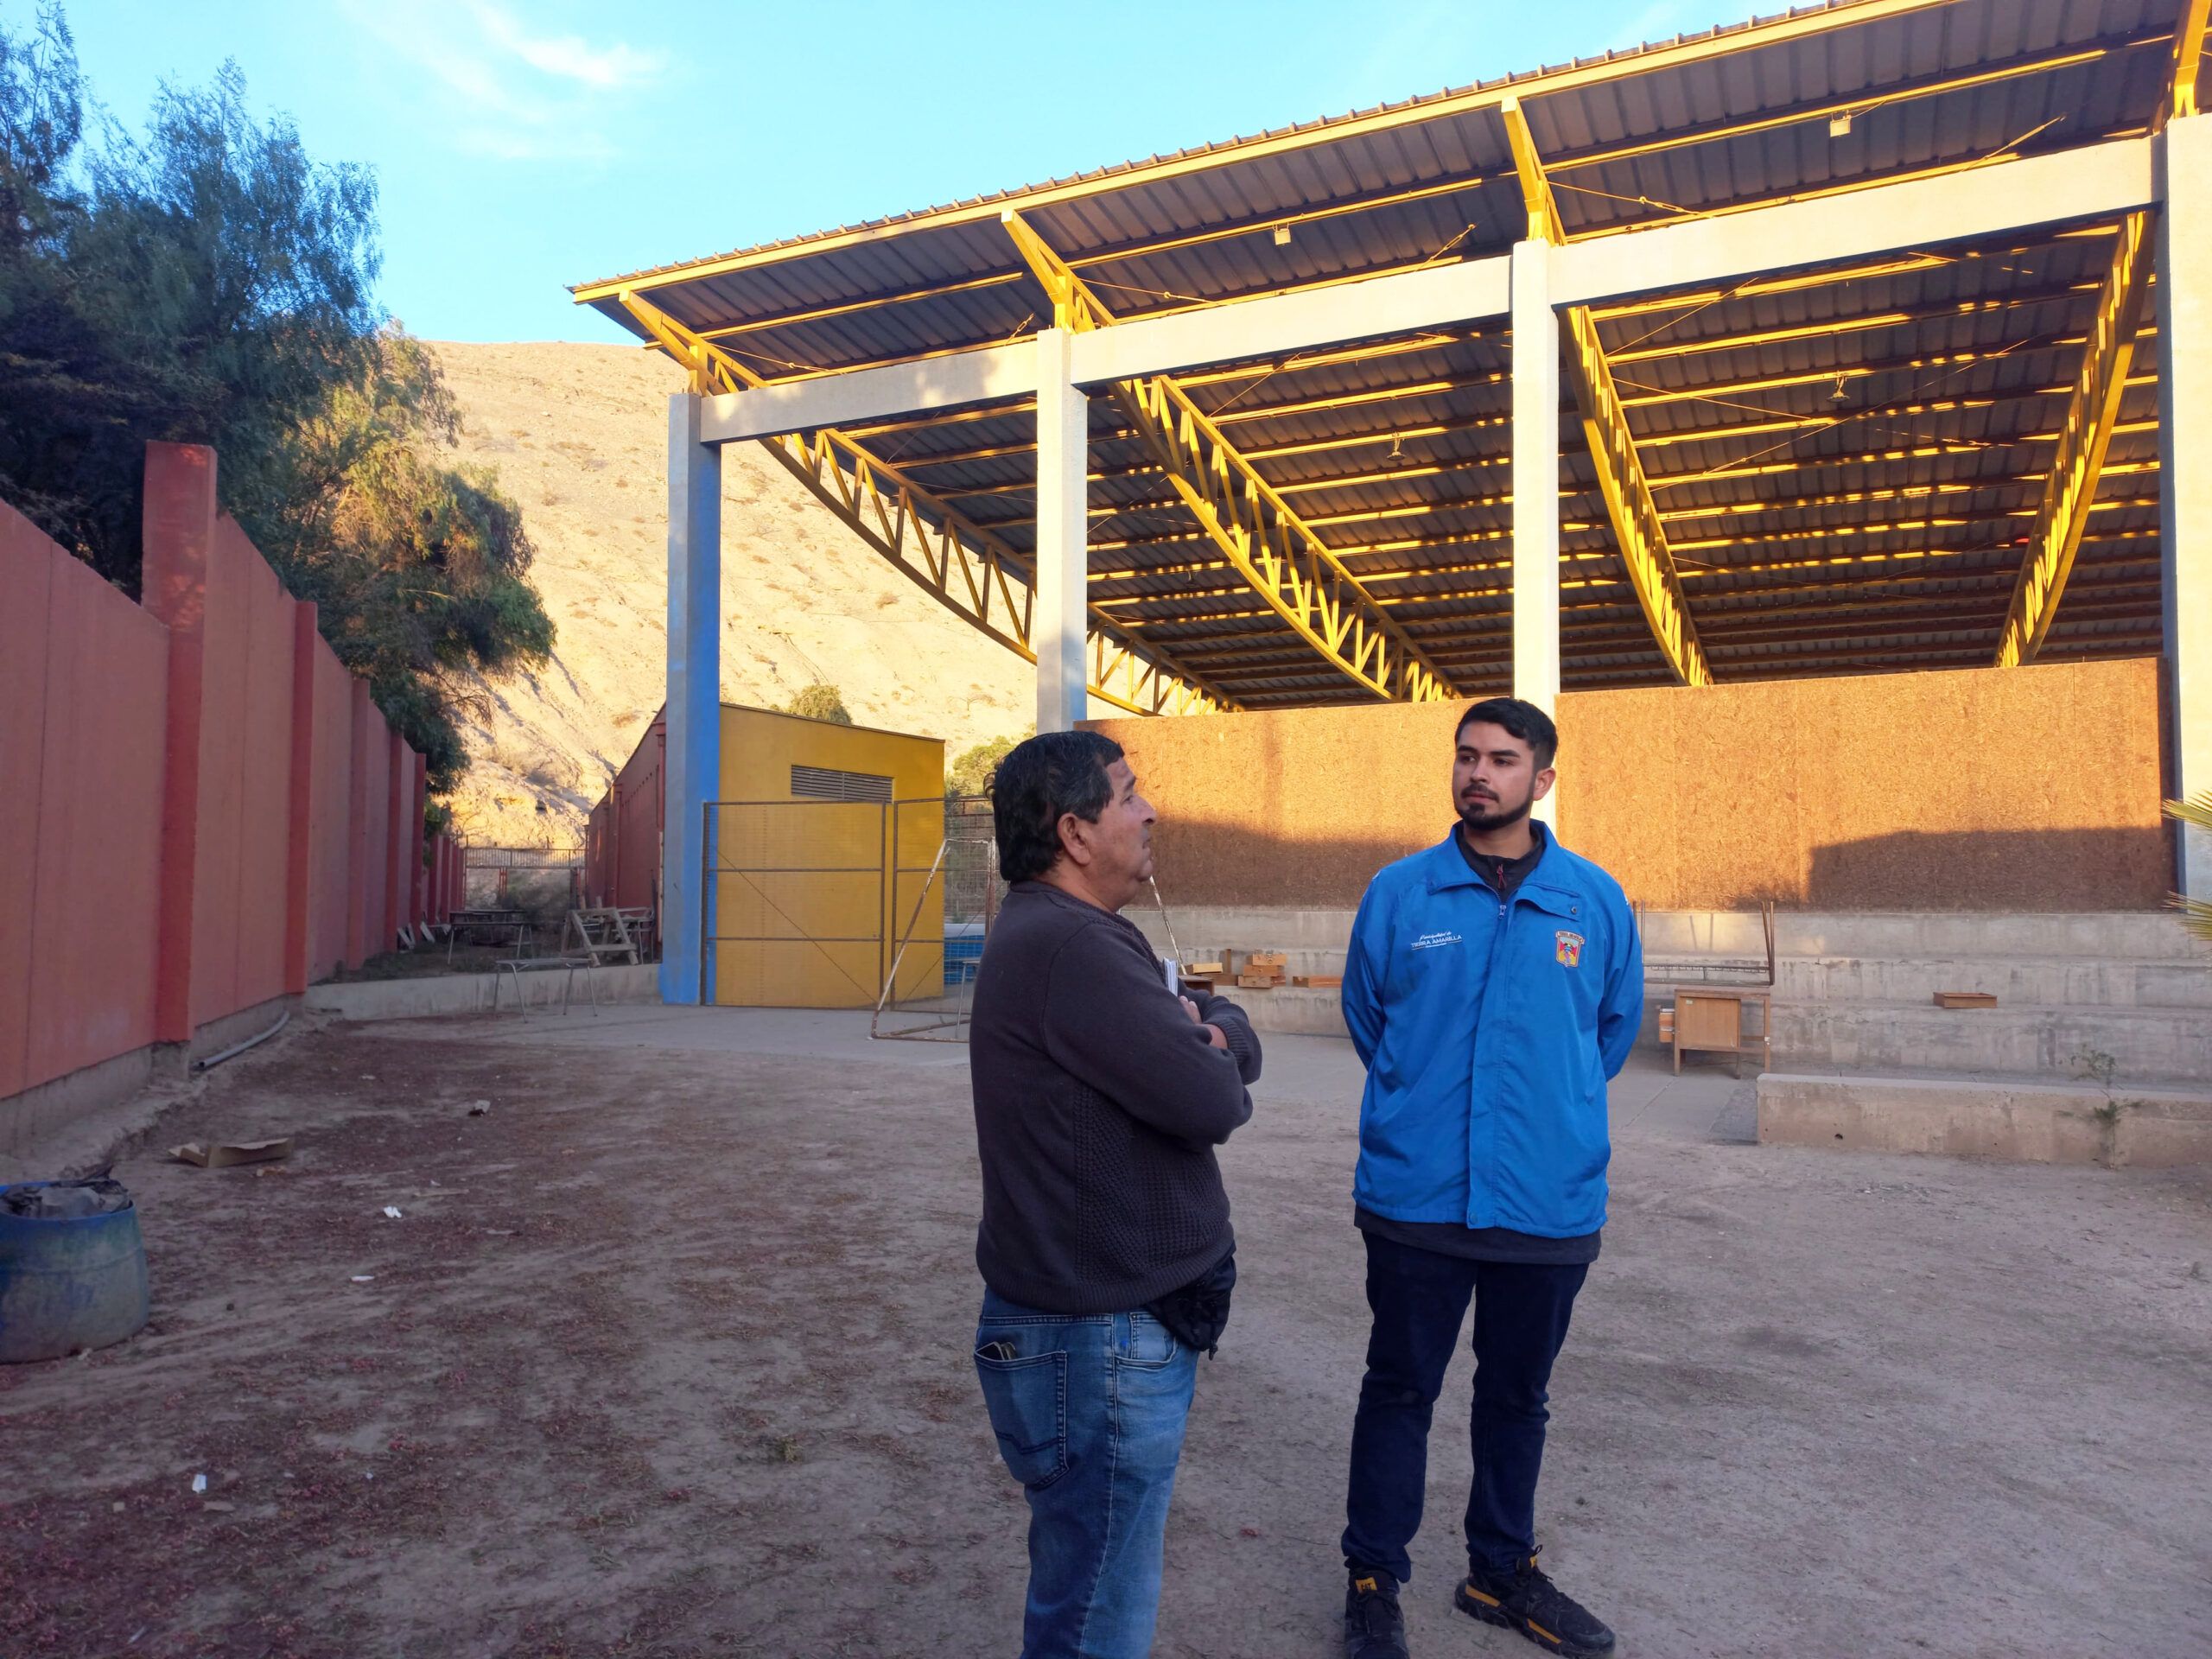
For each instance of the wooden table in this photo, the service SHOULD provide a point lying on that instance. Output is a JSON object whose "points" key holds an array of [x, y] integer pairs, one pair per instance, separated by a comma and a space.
{"points": [[512, 921], [1710, 1018]]}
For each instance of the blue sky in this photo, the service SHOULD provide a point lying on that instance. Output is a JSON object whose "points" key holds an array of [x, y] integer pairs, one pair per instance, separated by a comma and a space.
{"points": [[522, 146]]}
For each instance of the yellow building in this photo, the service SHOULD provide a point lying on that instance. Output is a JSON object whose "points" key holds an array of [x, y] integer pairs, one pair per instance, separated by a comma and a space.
{"points": [[820, 841]]}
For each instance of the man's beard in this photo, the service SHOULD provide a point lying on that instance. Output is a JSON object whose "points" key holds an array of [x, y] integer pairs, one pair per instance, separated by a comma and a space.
{"points": [[1482, 816]]}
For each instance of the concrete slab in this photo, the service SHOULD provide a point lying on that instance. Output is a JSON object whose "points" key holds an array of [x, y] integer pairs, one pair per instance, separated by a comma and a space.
{"points": [[2017, 1122]]}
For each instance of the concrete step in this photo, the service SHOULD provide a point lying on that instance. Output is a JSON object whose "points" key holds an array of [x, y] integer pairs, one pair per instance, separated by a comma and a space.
{"points": [[2046, 1042], [1314, 1012], [2110, 981], [435, 994], [1926, 935], [2024, 1122]]}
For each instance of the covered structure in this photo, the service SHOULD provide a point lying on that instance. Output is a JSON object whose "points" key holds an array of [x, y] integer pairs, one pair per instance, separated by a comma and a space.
{"points": [[1862, 338]]}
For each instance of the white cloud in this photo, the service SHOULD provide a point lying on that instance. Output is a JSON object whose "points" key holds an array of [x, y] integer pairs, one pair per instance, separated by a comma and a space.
{"points": [[570, 55], [503, 88]]}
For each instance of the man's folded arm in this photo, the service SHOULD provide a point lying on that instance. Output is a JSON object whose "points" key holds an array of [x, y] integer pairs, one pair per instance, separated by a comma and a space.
{"points": [[1111, 1022], [1236, 1027]]}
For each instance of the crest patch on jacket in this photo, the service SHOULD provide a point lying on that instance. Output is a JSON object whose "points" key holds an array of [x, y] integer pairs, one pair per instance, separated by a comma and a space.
{"points": [[1570, 948]]}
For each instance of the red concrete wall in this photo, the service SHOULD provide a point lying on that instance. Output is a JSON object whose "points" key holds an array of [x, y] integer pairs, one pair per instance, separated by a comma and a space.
{"points": [[200, 811], [82, 716], [245, 749]]}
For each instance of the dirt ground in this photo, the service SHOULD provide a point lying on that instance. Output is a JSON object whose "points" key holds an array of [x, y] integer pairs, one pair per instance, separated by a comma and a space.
{"points": [[667, 1355]]}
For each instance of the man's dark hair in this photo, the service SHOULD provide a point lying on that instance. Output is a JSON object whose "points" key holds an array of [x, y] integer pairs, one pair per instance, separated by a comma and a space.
{"points": [[1040, 778], [1522, 719]]}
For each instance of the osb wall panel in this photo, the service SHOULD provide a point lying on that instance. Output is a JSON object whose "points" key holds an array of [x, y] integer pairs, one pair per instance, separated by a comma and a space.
{"points": [[1296, 807], [2032, 788], [2022, 789]]}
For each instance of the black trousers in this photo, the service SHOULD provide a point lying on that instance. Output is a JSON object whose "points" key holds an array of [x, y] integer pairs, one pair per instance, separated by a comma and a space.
{"points": [[1420, 1300]]}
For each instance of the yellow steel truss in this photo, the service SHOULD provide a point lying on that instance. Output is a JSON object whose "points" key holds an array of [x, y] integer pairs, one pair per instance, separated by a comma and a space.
{"points": [[1259, 533], [1638, 534], [2188, 58], [2070, 488], [962, 566]]}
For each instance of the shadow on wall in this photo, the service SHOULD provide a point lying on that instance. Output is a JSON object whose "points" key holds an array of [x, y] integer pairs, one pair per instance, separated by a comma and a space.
{"points": [[1988, 869]]}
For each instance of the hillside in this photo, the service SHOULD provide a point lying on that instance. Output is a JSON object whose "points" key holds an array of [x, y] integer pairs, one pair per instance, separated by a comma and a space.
{"points": [[579, 435]]}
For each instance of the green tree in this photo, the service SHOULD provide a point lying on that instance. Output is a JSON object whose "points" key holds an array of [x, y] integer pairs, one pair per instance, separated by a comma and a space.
{"points": [[209, 282], [972, 772], [820, 701]]}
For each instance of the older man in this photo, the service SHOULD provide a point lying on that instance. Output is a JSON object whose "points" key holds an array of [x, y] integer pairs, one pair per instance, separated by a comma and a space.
{"points": [[1105, 1246]]}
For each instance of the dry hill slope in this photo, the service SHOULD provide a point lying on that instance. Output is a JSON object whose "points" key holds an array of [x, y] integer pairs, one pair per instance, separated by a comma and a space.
{"points": [[579, 434]]}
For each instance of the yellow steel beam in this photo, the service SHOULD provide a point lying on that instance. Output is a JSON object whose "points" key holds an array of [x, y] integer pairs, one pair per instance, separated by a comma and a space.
{"points": [[1258, 532], [2070, 488], [1638, 534], [960, 564], [2188, 58]]}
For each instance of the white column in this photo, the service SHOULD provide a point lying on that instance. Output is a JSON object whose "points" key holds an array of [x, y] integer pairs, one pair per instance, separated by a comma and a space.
{"points": [[691, 772], [1057, 628], [1535, 486], [2183, 291]]}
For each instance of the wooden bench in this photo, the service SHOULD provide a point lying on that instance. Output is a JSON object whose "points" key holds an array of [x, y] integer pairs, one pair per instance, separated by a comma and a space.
{"points": [[608, 932]]}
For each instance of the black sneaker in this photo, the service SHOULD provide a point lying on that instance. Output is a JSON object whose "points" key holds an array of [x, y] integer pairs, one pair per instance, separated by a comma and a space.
{"points": [[1375, 1625], [1524, 1599]]}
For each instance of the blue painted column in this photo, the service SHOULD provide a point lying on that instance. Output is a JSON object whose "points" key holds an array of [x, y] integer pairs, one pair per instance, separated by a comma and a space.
{"points": [[692, 768]]}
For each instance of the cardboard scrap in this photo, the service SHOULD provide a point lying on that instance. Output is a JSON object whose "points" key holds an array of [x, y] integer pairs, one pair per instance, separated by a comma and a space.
{"points": [[222, 1156]]}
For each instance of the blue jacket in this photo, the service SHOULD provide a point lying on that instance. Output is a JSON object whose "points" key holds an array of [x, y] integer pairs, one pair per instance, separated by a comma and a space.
{"points": [[1489, 1031]]}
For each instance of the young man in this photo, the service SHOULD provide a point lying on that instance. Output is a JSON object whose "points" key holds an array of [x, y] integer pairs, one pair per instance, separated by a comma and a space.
{"points": [[1105, 1248], [1494, 984]]}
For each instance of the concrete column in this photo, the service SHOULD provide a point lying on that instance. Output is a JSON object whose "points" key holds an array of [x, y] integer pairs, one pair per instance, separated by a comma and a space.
{"points": [[178, 538], [693, 767], [418, 907], [360, 752], [399, 773], [299, 847], [2184, 292], [1057, 627], [1535, 486]]}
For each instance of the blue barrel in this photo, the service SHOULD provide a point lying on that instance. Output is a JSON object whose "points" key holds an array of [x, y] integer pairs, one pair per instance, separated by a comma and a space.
{"points": [[69, 1283]]}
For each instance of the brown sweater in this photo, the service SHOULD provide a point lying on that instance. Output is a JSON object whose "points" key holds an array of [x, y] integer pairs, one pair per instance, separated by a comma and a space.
{"points": [[1098, 1105]]}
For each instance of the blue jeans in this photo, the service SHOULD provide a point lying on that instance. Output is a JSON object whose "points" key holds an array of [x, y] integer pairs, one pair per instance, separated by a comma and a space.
{"points": [[1089, 1415], [1420, 1299]]}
